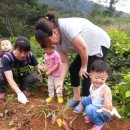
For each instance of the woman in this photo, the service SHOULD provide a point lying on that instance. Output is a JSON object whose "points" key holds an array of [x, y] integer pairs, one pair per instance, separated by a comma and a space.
{"points": [[74, 35], [16, 71]]}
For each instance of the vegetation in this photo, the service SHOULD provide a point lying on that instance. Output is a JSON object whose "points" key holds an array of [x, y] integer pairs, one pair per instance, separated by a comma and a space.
{"points": [[19, 19]]}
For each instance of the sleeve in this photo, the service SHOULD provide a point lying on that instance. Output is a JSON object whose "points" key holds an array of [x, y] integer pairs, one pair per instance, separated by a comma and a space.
{"points": [[70, 29], [34, 61], [6, 64]]}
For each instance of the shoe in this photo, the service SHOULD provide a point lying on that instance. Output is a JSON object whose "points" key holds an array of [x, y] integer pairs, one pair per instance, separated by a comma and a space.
{"points": [[60, 100], [87, 119], [2, 95], [49, 99], [97, 127], [73, 103], [77, 109], [26, 93]]}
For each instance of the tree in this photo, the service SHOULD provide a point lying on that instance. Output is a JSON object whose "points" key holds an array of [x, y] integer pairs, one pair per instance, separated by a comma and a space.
{"points": [[19, 16]]}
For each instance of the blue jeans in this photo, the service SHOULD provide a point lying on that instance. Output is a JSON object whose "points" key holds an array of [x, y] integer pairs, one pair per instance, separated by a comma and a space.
{"points": [[91, 110]]}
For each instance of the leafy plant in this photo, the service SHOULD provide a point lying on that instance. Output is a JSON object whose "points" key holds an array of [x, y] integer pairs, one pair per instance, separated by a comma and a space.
{"points": [[10, 97], [121, 93]]}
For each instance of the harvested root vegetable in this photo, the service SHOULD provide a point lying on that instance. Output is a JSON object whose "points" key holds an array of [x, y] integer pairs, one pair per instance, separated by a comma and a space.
{"points": [[14, 128], [65, 125], [54, 119], [49, 115]]}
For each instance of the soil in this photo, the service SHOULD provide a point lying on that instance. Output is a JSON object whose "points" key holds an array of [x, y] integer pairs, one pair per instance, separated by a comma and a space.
{"points": [[34, 115]]}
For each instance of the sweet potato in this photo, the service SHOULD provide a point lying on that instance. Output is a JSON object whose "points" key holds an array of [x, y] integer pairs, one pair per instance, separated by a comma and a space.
{"points": [[54, 119], [65, 125], [49, 115], [14, 128]]}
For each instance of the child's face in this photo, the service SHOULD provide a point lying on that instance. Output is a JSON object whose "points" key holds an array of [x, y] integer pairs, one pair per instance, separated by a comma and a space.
{"points": [[48, 50], [6, 45], [98, 79]]}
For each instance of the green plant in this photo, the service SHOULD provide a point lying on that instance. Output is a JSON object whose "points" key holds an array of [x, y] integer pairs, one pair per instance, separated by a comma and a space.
{"points": [[9, 97], [121, 93], [35, 47]]}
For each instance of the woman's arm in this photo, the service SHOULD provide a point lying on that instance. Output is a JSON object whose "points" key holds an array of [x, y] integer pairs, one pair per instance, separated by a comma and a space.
{"points": [[21, 97], [82, 49], [64, 65], [12, 83]]}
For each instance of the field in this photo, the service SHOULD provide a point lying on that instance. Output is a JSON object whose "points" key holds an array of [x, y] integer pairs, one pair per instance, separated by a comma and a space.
{"points": [[34, 115]]}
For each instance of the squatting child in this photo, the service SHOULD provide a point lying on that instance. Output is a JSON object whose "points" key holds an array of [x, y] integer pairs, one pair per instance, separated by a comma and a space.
{"points": [[100, 96]]}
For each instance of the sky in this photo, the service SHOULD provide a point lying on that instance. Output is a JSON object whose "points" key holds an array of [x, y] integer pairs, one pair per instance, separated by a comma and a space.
{"points": [[122, 5]]}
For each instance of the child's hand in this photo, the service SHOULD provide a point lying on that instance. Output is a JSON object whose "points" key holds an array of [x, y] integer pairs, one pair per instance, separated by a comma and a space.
{"points": [[108, 112], [48, 73], [44, 68]]}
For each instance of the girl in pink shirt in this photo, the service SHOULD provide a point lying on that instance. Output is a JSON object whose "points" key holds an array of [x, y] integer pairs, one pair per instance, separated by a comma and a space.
{"points": [[52, 67]]}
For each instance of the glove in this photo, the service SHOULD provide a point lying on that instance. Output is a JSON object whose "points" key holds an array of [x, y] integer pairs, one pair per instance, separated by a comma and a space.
{"points": [[113, 112], [22, 98]]}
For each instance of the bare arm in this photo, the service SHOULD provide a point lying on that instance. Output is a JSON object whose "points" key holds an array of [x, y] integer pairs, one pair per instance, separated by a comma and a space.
{"points": [[64, 65], [82, 49], [12, 83], [107, 98]]}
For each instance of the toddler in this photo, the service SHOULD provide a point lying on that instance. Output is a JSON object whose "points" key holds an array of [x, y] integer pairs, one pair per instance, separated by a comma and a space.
{"points": [[100, 96], [52, 67]]}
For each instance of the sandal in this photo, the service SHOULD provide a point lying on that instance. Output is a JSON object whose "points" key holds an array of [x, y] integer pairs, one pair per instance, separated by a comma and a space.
{"points": [[87, 119], [97, 127], [77, 109]]}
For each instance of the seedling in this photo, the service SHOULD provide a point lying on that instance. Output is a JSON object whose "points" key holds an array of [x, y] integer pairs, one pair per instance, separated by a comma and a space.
{"points": [[10, 97], [11, 123]]}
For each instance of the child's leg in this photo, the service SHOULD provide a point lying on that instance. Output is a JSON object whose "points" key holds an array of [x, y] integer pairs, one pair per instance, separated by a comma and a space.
{"points": [[85, 101], [97, 118], [50, 89], [51, 86], [58, 86], [59, 89]]}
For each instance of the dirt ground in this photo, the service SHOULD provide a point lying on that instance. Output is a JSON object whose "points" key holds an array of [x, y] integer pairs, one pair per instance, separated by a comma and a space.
{"points": [[34, 115]]}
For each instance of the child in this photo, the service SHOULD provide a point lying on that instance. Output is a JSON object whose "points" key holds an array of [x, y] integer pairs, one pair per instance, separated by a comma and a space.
{"points": [[100, 96], [6, 46], [53, 70]]}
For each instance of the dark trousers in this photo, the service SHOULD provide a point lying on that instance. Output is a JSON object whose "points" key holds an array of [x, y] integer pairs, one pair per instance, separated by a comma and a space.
{"points": [[23, 81], [74, 71]]}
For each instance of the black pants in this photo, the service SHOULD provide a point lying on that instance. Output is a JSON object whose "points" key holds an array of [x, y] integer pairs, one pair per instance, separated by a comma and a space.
{"points": [[74, 71], [23, 82]]}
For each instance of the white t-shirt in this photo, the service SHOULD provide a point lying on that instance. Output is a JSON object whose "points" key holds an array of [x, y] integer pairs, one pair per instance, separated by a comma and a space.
{"points": [[94, 36]]}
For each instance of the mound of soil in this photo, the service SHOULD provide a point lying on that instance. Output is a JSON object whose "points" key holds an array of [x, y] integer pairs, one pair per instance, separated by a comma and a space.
{"points": [[37, 115]]}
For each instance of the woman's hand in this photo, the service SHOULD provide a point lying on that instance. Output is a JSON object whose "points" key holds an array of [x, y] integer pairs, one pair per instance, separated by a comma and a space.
{"points": [[83, 72]]}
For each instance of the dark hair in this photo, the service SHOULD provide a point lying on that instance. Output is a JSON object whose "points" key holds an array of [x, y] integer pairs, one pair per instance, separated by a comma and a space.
{"points": [[44, 27], [22, 43], [100, 66]]}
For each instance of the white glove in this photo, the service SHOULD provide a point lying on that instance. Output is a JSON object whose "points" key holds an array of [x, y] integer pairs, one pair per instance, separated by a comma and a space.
{"points": [[22, 98], [113, 112]]}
